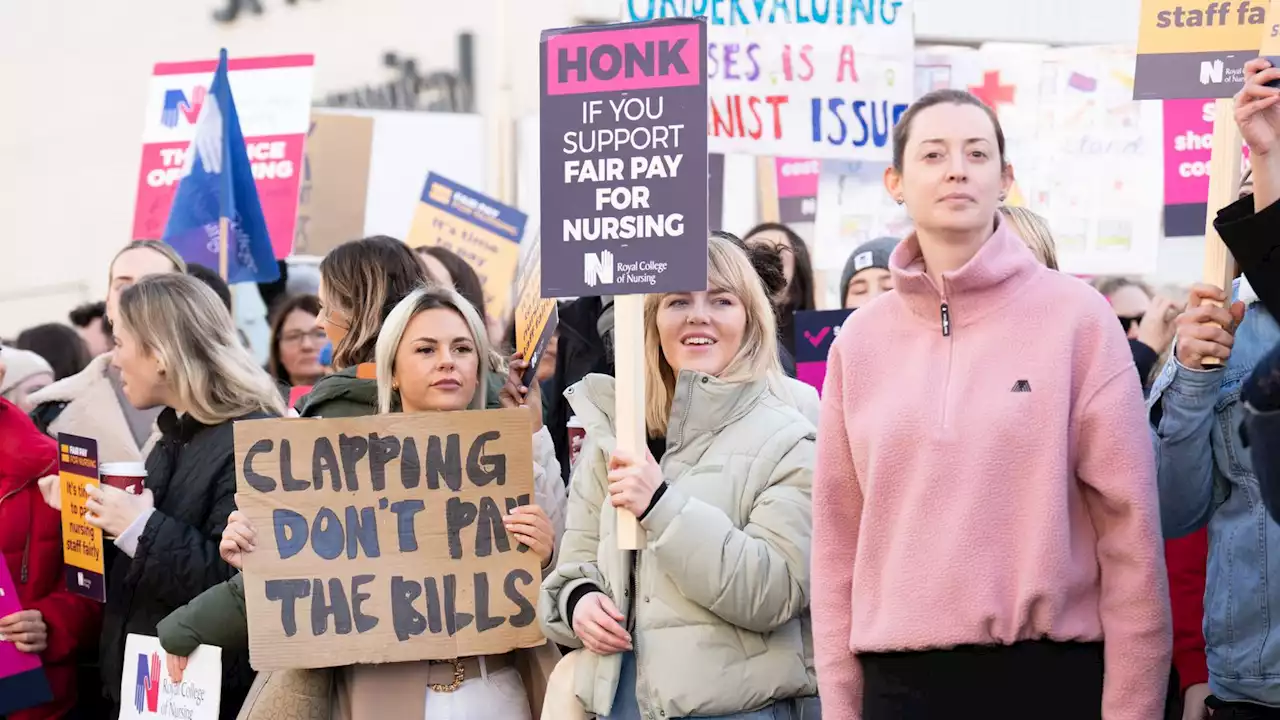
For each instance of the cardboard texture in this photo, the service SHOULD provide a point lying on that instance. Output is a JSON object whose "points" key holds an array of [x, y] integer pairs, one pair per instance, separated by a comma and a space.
{"points": [[380, 539], [335, 183]]}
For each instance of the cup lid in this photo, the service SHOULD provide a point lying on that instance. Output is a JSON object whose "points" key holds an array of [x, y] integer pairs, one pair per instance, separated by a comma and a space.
{"points": [[574, 422], [123, 469]]}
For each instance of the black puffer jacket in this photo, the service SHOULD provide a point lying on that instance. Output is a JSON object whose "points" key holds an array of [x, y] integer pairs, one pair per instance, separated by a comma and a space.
{"points": [[191, 471]]}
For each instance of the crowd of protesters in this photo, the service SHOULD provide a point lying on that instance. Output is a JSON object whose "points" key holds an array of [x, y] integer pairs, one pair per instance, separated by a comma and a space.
{"points": [[1021, 495]]}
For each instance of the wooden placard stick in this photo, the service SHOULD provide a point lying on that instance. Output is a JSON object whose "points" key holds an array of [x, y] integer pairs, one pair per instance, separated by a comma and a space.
{"points": [[767, 182], [628, 354], [1224, 184]]}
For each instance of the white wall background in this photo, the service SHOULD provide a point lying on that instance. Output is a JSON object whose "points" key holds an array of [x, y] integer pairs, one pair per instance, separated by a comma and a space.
{"points": [[73, 76]]}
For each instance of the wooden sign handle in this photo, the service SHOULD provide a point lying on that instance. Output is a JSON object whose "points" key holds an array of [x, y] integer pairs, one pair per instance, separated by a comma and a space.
{"points": [[1224, 183], [628, 353], [767, 182]]}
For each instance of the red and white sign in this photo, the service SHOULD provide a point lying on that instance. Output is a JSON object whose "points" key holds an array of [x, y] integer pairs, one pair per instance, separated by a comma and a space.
{"points": [[273, 101]]}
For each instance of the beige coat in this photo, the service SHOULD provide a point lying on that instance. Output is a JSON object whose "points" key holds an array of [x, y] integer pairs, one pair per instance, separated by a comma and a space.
{"points": [[93, 411], [722, 587]]}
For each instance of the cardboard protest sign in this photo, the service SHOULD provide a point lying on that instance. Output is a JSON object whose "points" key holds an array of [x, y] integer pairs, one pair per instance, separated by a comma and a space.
{"points": [[335, 183], [624, 163], [536, 318], [273, 97], [22, 680], [1196, 49], [82, 550], [478, 228], [380, 539], [147, 690], [815, 331], [810, 78]]}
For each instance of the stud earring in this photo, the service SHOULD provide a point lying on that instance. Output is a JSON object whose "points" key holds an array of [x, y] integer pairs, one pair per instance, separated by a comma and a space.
{"points": [[901, 200], [395, 386]]}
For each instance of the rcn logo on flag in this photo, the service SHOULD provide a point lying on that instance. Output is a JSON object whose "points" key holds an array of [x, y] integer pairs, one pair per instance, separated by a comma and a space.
{"points": [[177, 107], [597, 268]]}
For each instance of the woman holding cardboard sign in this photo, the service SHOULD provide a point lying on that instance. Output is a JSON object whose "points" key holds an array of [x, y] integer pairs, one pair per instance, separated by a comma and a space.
{"points": [[176, 348], [710, 620], [991, 547]]}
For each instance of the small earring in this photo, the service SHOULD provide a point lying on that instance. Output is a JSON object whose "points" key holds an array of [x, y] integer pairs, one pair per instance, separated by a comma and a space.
{"points": [[901, 200], [395, 386]]}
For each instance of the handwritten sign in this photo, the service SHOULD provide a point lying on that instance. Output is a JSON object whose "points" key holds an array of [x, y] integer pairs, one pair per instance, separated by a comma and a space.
{"points": [[147, 690], [479, 229], [1196, 49], [807, 78], [335, 183], [536, 318], [381, 538], [22, 680], [273, 100], [815, 331], [82, 550]]}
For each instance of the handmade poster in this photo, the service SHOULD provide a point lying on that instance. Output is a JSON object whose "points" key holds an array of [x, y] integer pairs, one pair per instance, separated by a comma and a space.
{"points": [[624, 159], [82, 545], [1188, 145], [22, 680], [815, 331], [381, 538], [335, 183], [797, 189], [1196, 50], [479, 229], [853, 208], [810, 78], [536, 318], [148, 691], [273, 99]]}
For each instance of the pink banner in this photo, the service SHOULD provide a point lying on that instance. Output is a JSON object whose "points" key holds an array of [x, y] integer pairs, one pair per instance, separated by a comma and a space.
{"points": [[633, 58], [1188, 143], [797, 177]]}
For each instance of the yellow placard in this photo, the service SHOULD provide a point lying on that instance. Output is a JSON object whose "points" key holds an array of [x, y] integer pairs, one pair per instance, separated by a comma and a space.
{"points": [[1187, 26], [82, 545], [536, 317]]}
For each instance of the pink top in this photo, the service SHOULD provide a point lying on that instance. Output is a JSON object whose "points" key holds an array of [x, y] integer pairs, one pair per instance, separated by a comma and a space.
{"points": [[989, 484]]}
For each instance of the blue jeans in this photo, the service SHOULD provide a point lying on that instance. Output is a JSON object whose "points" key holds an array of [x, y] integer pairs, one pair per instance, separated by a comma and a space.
{"points": [[625, 706]]}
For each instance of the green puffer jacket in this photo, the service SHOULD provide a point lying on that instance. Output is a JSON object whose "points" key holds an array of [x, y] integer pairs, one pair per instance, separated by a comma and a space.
{"points": [[722, 587], [342, 394]]}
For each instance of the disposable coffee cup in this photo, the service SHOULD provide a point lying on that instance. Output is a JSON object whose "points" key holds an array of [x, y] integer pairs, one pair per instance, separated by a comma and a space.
{"points": [[577, 436], [126, 476]]}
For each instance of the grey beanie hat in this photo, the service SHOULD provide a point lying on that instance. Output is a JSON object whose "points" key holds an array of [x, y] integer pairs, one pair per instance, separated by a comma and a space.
{"points": [[870, 254]]}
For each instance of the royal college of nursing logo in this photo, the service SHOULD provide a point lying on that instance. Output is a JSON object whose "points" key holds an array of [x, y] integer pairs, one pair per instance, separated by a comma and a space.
{"points": [[146, 693], [597, 268], [177, 107]]}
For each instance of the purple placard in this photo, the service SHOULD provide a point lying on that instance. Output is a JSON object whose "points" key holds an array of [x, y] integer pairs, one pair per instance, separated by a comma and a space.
{"points": [[22, 680], [624, 158]]}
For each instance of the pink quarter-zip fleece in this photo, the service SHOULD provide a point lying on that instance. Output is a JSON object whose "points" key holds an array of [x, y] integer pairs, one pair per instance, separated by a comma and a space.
{"points": [[985, 475]]}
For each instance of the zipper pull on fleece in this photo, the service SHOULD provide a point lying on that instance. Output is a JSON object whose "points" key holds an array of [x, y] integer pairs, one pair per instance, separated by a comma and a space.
{"points": [[946, 321]]}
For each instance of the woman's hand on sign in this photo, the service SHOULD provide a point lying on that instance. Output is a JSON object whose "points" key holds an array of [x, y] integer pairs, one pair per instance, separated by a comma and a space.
{"points": [[531, 527], [176, 665], [51, 490], [633, 481], [113, 510], [237, 539], [1256, 111], [1206, 330], [26, 630], [1157, 326], [514, 394], [598, 624]]}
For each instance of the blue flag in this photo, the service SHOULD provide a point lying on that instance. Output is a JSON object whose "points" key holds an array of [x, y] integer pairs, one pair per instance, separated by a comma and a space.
{"points": [[217, 182]]}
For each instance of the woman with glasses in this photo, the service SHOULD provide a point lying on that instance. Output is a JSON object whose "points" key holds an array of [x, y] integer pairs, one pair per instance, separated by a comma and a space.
{"points": [[1147, 319], [296, 342]]}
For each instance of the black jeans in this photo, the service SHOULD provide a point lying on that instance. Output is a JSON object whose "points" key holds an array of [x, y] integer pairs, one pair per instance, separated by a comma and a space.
{"points": [[1035, 679], [1223, 710]]}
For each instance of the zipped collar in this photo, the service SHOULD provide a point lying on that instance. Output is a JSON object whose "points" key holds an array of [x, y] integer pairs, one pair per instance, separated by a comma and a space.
{"points": [[991, 278]]}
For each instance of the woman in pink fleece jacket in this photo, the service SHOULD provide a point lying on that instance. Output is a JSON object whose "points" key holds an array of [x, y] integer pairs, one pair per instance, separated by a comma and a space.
{"points": [[986, 532]]}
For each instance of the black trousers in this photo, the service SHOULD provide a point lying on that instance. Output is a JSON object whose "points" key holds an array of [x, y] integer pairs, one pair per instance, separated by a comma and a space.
{"points": [[1035, 679], [1223, 710]]}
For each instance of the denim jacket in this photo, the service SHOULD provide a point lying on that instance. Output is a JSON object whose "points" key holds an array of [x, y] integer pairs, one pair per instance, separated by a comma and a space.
{"points": [[1206, 476]]}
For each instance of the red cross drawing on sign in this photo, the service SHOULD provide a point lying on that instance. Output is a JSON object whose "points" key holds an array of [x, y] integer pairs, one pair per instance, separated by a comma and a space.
{"points": [[991, 91]]}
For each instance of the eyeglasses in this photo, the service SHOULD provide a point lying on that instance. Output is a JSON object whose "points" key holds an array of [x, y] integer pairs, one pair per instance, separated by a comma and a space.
{"points": [[1129, 322], [294, 337]]}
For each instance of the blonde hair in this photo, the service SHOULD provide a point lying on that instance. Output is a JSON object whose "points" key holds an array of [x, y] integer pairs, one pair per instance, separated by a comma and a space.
{"points": [[156, 246], [730, 270], [1034, 231], [365, 279], [182, 322], [431, 298]]}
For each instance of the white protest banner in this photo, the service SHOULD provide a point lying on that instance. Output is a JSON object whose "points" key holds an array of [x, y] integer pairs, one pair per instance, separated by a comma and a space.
{"points": [[147, 690], [801, 78]]}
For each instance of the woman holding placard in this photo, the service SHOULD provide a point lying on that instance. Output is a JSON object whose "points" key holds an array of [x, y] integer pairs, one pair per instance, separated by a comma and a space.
{"points": [[986, 526], [176, 348], [710, 619], [433, 355]]}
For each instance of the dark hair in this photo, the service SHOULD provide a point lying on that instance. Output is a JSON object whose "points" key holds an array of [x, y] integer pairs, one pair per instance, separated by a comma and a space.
{"points": [[800, 295], [213, 280], [465, 279], [366, 279], [83, 316], [309, 304], [60, 346], [767, 262], [902, 131]]}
